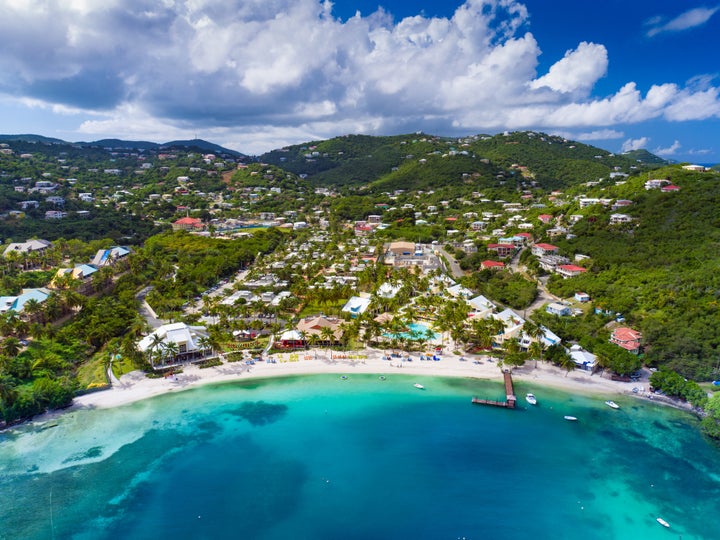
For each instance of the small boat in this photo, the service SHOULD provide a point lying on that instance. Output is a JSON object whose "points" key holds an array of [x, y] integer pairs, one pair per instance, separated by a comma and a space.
{"points": [[382, 377], [662, 522], [419, 386], [570, 418], [344, 377], [531, 399], [610, 403]]}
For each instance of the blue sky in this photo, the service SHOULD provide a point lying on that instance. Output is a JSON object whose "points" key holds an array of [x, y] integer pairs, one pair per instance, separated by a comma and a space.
{"points": [[255, 75]]}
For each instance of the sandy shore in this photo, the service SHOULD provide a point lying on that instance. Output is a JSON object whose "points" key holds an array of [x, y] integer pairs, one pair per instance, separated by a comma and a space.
{"points": [[135, 386]]}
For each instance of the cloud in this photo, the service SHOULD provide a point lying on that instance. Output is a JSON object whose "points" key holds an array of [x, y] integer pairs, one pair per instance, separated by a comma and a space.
{"points": [[685, 21], [669, 151], [596, 135], [579, 70], [254, 71], [635, 144]]}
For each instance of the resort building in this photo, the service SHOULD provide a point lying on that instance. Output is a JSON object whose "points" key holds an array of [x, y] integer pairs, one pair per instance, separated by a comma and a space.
{"points": [[357, 305], [314, 326], [31, 246], [174, 344], [108, 257], [17, 303]]}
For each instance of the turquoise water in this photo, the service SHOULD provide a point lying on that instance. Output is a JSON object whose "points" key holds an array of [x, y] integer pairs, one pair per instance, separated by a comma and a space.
{"points": [[415, 332], [320, 457]]}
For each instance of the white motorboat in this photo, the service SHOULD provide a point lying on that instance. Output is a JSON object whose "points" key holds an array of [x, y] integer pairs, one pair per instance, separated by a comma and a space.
{"points": [[531, 399], [612, 404], [419, 386], [570, 418], [662, 522]]}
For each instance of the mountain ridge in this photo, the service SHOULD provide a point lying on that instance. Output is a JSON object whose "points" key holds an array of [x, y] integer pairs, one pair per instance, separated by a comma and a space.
{"points": [[125, 144]]}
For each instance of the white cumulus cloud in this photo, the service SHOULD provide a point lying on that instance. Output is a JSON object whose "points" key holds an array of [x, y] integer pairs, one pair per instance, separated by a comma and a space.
{"points": [[579, 70], [635, 144], [669, 151], [241, 68]]}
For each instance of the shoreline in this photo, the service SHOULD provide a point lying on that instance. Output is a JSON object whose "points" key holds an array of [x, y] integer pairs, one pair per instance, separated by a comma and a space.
{"points": [[135, 386]]}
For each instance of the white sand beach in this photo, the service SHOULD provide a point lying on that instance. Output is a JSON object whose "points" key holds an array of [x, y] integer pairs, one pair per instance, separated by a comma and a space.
{"points": [[136, 386]]}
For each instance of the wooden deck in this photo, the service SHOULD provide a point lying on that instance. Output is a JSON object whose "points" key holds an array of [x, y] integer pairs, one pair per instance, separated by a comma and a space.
{"points": [[510, 399]]}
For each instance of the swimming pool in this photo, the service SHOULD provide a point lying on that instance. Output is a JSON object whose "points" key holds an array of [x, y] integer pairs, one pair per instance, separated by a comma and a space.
{"points": [[416, 331]]}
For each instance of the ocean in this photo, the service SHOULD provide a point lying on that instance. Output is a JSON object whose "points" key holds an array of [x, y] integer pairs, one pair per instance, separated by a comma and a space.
{"points": [[322, 457]]}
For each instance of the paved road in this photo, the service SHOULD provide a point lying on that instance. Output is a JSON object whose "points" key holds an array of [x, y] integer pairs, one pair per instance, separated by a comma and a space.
{"points": [[455, 270], [146, 311], [544, 296]]}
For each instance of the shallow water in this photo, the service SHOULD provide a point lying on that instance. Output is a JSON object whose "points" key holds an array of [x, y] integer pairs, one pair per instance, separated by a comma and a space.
{"points": [[322, 457]]}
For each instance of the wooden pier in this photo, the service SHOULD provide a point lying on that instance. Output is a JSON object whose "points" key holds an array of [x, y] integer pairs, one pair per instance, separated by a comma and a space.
{"points": [[510, 399]]}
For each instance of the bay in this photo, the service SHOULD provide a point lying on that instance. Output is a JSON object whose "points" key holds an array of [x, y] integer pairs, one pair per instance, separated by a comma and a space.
{"points": [[325, 457]]}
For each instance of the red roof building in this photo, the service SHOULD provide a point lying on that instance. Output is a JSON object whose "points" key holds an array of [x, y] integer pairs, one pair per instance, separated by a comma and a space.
{"points": [[492, 265], [627, 338], [188, 224], [570, 270], [545, 218], [544, 249], [671, 187]]}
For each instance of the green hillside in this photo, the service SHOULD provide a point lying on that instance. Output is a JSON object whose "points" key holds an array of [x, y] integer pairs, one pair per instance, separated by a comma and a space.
{"points": [[661, 270]]}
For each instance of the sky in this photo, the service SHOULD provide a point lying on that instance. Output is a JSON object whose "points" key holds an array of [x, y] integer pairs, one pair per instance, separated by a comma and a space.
{"points": [[256, 75]]}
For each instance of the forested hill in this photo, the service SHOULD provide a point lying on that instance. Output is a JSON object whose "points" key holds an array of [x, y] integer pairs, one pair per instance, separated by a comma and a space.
{"points": [[660, 270], [393, 162]]}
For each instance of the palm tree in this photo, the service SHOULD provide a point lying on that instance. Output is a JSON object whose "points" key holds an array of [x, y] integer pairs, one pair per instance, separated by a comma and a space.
{"points": [[566, 362], [328, 336], [205, 344], [312, 340], [535, 349], [32, 307], [172, 350], [534, 332], [11, 346]]}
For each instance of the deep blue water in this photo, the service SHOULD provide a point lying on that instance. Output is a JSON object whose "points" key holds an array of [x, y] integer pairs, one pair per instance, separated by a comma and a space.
{"points": [[324, 458]]}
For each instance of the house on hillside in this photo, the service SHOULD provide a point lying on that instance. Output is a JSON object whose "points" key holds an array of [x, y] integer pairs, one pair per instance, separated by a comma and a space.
{"points": [[544, 249], [545, 218], [570, 270], [188, 224], [492, 265], [502, 250]]}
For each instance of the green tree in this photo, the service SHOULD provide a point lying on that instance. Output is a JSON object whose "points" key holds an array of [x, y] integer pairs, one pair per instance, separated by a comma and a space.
{"points": [[711, 422]]}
